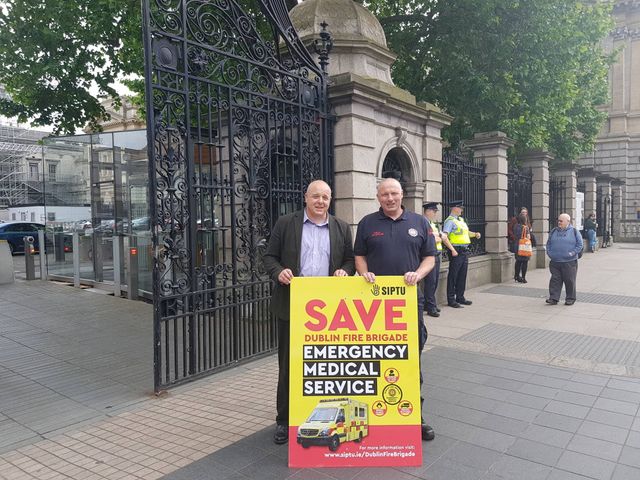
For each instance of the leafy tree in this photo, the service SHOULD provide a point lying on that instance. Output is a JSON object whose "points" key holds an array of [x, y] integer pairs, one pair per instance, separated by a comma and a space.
{"points": [[53, 51], [534, 69]]}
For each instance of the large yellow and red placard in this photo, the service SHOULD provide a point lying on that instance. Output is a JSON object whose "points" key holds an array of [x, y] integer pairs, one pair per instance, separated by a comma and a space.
{"points": [[354, 373]]}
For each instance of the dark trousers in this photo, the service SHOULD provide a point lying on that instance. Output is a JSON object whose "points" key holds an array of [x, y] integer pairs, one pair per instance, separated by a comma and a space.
{"points": [[282, 399], [457, 278], [563, 273], [431, 285], [521, 267]]}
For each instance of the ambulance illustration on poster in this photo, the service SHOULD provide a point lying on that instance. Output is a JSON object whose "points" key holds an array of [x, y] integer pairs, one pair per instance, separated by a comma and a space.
{"points": [[335, 421]]}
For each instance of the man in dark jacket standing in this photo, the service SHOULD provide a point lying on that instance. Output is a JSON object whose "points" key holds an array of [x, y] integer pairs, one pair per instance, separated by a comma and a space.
{"points": [[564, 247], [307, 243]]}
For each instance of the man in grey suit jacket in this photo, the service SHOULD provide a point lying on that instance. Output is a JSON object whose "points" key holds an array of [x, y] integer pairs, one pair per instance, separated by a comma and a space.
{"points": [[308, 243]]}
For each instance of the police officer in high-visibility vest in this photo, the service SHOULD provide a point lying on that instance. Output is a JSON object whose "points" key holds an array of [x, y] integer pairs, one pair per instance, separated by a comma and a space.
{"points": [[430, 210], [457, 237]]}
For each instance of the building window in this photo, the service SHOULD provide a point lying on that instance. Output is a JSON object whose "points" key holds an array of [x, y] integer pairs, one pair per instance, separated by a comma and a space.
{"points": [[33, 216], [13, 217], [33, 171], [23, 216], [51, 216], [52, 171]]}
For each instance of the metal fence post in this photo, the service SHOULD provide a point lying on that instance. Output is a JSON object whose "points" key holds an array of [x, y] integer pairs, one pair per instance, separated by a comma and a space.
{"points": [[43, 254], [29, 262], [58, 241], [76, 259], [132, 271], [117, 271]]}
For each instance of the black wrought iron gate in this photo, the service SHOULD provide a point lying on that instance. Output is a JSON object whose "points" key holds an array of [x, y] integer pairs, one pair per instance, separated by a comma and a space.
{"points": [[236, 132]]}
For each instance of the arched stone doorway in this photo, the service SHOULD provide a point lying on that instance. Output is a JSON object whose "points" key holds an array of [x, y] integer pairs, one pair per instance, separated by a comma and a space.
{"points": [[397, 164]]}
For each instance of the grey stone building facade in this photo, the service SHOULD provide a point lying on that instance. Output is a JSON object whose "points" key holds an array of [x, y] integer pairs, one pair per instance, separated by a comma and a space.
{"points": [[614, 165]]}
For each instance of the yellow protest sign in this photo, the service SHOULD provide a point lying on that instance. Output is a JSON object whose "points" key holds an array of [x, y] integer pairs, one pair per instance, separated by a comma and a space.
{"points": [[354, 373]]}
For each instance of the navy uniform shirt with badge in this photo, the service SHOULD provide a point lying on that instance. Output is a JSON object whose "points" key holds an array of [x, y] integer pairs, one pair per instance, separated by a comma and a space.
{"points": [[394, 247]]}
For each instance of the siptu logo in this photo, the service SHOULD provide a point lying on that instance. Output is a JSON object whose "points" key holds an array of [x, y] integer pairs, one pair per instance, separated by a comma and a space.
{"points": [[375, 290]]}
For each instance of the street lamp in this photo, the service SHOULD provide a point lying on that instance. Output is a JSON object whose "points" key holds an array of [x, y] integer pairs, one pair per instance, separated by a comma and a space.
{"points": [[323, 46]]}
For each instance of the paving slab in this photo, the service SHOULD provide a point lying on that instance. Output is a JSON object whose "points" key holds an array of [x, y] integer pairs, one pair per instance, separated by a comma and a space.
{"points": [[560, 402], [67, 356]]}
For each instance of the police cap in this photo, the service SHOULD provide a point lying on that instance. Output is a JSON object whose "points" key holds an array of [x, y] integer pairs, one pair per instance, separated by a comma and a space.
{"points": [[430, 206], [457, 203]]}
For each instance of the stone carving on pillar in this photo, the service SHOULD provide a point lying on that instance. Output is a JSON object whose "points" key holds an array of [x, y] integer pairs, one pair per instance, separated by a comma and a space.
{"points": [[401, 136]]}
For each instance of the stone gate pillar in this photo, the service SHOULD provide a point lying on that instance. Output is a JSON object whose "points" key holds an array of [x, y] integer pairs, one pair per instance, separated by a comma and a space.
{"points": [[432, 162], [567, 173], [588, 177], [538, 162], [492, 148]]}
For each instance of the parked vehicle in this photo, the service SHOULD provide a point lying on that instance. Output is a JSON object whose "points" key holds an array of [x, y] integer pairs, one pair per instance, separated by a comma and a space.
{"points": [[14, 233], [82, 226], [142, 223], [105, 228]]}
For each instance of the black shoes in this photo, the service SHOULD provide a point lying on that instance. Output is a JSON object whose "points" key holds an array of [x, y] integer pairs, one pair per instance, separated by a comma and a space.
{"points": [[465, 302], [282, 435], [427, 433], [437, 310], [569, 302], [551, 301], [455, 305], [433, 313], [520, 279]]}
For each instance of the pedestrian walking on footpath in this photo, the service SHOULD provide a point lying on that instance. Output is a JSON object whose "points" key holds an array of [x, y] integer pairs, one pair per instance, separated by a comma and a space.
{"points": [[522, 234], [457, 237], [564, 248], [590, 226], [431, 280], [393, 241], [307, 243]]}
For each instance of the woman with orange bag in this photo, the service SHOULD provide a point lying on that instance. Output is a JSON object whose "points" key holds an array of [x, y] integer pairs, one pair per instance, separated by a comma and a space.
{"points": [[522, 247]]}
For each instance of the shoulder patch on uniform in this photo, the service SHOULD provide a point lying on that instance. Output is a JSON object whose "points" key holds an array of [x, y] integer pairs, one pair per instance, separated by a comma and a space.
{"points": [[413, 232]]}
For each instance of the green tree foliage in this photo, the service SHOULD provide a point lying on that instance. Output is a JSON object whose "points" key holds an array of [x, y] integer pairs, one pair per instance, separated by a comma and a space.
{"points": [[531, 68], [534, 69], [53, 51]]}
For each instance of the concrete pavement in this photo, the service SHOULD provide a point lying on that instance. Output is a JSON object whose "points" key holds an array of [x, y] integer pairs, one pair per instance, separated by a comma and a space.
{"points": [[515, 389]]}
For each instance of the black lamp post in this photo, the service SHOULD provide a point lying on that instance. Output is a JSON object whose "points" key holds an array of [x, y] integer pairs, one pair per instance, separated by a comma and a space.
{"points": [[323, 46]]}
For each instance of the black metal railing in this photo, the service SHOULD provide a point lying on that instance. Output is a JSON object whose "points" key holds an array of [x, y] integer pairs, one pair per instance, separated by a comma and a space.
{"points": [[237, 129], [557, 201], [604, 215], [520, 184], [463, 178]]}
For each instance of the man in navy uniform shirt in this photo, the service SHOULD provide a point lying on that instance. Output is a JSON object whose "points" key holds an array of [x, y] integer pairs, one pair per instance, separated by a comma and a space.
{"points": [[393, 241], [431, 280]]}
